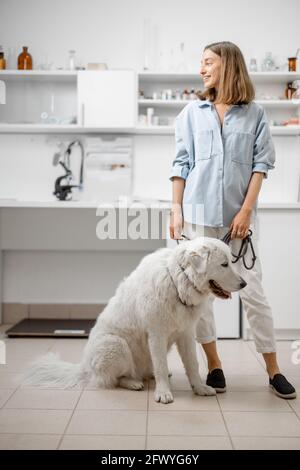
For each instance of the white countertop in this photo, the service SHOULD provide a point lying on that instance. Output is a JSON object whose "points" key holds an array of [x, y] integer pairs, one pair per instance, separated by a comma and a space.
{"points": [[156, 204]]}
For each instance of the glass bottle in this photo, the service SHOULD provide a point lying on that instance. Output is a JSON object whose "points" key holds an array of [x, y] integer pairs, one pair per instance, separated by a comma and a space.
{"points": [[71, 60], [11, 61], [253, 65], [24, 60], [268, 64], [292, 64], [2, 59]]}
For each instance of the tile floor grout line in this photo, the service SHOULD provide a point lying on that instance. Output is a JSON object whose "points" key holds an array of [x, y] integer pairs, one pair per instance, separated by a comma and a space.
{"points": [[277, 436], [295, 412], [69, 420], [147, 415], [156, 411], [140, 435], [225, 424], [9, 397]]}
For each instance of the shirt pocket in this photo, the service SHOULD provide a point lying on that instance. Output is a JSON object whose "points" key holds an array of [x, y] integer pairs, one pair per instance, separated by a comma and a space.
{"points": [[203, 144], [242, 147]]}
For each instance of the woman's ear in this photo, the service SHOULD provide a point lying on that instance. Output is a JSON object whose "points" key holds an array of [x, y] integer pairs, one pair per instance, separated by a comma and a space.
{"points": [[199, 259]]}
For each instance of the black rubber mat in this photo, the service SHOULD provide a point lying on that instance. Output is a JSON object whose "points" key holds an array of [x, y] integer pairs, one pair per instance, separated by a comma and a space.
{"points": [[51, 328]]}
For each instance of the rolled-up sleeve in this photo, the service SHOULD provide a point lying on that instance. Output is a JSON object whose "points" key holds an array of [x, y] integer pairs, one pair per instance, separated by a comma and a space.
{"points": [[180, 166], [264, 151]]}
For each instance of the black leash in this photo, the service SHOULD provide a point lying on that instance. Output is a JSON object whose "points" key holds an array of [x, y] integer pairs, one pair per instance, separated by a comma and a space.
{"points": [[243, 249]]}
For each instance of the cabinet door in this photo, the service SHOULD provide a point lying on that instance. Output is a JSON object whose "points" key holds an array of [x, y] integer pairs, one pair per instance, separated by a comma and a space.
{"points": [[279, 250], [227, 317], [107, 98]]}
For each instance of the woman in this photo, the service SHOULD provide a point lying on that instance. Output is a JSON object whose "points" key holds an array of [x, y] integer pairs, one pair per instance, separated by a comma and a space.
{"points": [[223, 151]]}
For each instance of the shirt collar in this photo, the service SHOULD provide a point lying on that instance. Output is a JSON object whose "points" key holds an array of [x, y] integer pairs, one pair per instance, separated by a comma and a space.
{"points": [[205, 103]]}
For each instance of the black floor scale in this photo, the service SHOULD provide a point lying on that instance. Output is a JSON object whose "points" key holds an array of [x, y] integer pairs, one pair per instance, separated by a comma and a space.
{"points": [[43, 328]]}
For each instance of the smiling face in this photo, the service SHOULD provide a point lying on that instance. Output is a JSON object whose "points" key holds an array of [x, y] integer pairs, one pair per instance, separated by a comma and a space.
{"points": [[210, 69]]}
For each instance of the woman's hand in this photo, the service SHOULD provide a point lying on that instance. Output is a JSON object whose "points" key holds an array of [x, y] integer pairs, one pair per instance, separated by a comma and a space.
{"points": [[240, 225], [176, 223]]}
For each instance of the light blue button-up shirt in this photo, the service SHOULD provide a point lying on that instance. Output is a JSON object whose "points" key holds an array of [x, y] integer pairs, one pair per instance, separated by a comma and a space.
{"points": [[217, 161]]}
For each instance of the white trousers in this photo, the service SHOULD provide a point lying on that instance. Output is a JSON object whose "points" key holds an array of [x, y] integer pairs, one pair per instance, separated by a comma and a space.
{"points": [[253, 299]]}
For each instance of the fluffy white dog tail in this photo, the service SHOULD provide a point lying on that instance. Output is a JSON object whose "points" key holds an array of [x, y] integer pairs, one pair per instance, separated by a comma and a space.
{"points": [[49, 371]]}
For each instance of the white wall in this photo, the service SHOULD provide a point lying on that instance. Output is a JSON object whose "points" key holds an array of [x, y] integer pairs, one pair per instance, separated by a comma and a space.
{"points": [[111, 31]]}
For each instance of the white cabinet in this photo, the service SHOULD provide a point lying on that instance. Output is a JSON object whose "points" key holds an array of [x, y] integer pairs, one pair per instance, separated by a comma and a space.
{"points": [[227, 317], [279, 249], [107, 98]]}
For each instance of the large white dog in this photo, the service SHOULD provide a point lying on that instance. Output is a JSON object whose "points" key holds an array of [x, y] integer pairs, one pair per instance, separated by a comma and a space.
{"points": [[157, 305]]}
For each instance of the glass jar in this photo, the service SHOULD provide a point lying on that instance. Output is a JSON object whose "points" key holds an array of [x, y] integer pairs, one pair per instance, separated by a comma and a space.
{"points": [[24, 60]]}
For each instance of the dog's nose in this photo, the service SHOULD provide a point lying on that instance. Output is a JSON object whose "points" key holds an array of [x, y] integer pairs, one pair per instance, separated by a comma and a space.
{"points": [[243, 284]]}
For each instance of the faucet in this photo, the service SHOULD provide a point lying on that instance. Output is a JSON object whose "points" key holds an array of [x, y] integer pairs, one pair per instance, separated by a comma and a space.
{"points": [[61, 191]]}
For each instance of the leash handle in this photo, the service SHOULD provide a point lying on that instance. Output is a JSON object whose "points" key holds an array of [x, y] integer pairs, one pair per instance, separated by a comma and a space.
{"points": [[183, 237], [243, 249]]}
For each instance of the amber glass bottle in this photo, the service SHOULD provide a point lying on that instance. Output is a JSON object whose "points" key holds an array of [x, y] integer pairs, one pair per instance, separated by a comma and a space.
{"points": [[25, 60], [2, 59]]}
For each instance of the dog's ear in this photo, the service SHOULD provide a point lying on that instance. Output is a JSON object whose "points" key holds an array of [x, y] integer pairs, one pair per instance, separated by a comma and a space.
{"points": [[199, 259]]}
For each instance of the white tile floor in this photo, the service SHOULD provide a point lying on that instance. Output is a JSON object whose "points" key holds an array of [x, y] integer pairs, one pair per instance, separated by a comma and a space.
{"points": [[248, 416]]}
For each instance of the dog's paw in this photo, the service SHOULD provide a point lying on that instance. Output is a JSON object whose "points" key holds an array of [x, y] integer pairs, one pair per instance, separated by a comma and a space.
{"points": [[163, 396], [204, 390], [137, 386], [131, 384]]}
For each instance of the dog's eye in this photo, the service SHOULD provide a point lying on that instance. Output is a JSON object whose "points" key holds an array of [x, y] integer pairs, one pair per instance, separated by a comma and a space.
{"points": [[225, 265]]}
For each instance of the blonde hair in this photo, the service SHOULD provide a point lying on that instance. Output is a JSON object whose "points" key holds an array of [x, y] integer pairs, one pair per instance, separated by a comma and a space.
{"points": [[235, 84]]}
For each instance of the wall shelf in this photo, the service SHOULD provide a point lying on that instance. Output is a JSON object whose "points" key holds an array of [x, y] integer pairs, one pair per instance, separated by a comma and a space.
{"points": [[40, 75], [266, 103], [148, 76], [60, 129], [144, 75], [155, 204], [75, 129]]}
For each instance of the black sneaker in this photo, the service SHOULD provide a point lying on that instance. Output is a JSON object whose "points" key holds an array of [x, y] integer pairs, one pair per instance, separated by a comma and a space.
{"points": [[216, 379], [282, 387]]}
